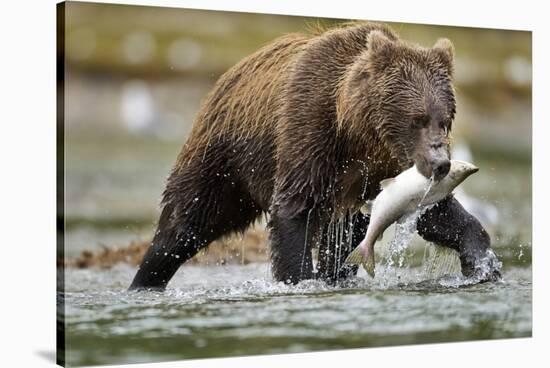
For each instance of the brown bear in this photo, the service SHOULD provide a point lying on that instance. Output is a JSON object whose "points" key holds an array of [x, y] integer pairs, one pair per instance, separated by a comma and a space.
{"points": [[304, 130]]}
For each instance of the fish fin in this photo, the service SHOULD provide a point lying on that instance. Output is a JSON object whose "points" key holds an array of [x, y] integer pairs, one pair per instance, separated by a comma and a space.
{"points": [[384, 183], [366, 209], [368, 265], [355, 257], [380, 236]]}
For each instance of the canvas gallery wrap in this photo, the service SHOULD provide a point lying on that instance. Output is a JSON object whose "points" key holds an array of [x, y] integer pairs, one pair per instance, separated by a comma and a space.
{"points": [[235, 184]]}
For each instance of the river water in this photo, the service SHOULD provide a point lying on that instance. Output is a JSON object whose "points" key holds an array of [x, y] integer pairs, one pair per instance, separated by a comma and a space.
{"points": [[235, 310], [238, 310]]}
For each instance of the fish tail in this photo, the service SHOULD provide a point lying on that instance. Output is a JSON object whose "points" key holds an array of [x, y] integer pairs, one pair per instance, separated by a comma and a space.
{"points": [[356, 257], [368, 265]]}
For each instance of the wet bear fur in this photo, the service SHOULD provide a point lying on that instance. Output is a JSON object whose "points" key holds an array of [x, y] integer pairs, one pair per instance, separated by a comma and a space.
{"points": [[303, 131]]}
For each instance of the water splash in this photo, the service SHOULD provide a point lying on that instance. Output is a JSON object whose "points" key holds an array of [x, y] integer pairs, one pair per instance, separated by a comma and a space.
{"points": [[339, 237], [365, 172], [305, 244], [485, 267], [404, 232], [430, 184]]}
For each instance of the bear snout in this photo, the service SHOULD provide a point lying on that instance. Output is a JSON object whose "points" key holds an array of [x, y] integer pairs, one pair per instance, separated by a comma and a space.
{"points": [[440, 168]]}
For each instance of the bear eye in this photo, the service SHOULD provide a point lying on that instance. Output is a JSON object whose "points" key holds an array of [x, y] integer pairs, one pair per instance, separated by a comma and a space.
{"points": [[421, 121], [446, 126]]}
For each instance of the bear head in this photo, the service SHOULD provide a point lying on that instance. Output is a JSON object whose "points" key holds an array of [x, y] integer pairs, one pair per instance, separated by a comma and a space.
{"points": [[400, 96]]}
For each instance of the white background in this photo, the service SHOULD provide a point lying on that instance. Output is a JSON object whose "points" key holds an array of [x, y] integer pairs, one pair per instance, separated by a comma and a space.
{"points": [[27, 180]]}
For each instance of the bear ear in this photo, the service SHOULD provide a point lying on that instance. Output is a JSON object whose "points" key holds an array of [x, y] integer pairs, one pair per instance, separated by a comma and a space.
{"points": [[377, 41], [446, 51]]}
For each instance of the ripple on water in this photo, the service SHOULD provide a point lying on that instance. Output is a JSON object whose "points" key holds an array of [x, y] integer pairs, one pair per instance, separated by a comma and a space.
{"points": [[235, 310]]}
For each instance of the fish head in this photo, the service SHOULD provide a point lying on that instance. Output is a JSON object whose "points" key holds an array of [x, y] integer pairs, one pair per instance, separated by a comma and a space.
{"points": [[460, 170]]}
